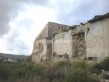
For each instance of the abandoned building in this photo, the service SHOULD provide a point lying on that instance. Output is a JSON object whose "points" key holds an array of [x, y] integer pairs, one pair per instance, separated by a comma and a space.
{"points": [[62, 42]]}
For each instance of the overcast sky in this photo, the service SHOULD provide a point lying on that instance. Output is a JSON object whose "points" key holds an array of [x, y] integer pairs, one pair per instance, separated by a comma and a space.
{"points": [[22, 20]]}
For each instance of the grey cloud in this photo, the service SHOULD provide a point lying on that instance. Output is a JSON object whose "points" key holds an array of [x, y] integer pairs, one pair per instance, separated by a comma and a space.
{"points": [[12, 36], [9, 10], [17, 45], [68, 12], [80, 10], [42, 2]]}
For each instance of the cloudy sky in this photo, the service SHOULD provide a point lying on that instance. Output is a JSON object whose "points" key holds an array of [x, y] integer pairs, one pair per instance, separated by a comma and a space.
{"points": [[22, 20]]}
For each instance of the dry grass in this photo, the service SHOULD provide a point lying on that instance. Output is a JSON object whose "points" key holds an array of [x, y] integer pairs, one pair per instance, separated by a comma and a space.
{"points": [[48, 72]]}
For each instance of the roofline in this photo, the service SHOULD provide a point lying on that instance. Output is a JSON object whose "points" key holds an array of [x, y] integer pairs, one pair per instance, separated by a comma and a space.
{"points": [[98, 18]]}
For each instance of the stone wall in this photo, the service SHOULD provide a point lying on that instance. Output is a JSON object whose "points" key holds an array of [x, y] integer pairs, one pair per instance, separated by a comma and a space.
{"points": [[79, 48], [54, 28], [43, 44], [58, 42]]}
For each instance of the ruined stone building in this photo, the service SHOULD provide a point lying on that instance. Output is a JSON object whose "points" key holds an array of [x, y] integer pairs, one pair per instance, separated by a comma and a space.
{"points": [[62, 42]]}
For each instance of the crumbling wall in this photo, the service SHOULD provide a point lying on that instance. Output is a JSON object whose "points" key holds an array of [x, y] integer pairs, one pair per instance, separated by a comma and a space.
{"points": [[42, 49], [43, 34], [39, 50], [79, 48], [54, 28], [89, 40], [49, 50]]}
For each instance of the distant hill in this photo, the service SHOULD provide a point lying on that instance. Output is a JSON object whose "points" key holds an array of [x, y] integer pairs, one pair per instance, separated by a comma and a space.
{"points": [[15, 57]]}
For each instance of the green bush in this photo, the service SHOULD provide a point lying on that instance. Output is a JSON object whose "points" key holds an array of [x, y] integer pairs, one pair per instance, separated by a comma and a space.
{"points": [[105, 64], [97, 67]]}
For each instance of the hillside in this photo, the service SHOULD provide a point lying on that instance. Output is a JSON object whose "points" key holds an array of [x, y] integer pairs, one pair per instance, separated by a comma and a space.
{"points": [[13, 56]]}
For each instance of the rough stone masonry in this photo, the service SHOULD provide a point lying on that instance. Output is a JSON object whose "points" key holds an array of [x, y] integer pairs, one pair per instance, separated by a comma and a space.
{"points": [[62, 42]]}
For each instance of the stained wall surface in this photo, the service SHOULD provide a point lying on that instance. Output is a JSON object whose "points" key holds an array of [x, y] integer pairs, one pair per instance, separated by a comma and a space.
{"points": [[63, 45], [97, 39], [58, 42], [39, 51], [43, 49]]}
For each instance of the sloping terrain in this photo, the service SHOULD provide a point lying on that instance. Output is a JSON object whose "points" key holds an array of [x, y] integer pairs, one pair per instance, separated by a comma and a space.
{"points": [[13, 56]]}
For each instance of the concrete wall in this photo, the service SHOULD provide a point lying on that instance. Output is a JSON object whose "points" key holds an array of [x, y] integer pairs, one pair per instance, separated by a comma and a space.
{"points": [[97, 39], [63, 45]]}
